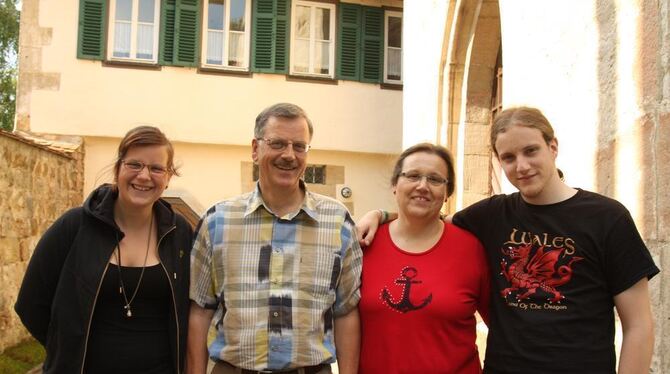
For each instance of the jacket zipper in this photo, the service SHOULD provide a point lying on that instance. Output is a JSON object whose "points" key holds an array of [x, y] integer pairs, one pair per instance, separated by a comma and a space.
{"points": [[90, 317], [174, 299]]}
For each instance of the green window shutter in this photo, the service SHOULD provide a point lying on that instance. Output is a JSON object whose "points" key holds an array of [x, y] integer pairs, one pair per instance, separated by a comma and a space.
{"points": [[92, 29], [270, 36], [282, 35], [187, 33], [349, 41], [166, 54], [373, 39]]}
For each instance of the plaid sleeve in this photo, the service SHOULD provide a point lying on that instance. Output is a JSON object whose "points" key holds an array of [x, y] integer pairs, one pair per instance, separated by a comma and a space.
{"points": [[202, 289], [348, 288]]}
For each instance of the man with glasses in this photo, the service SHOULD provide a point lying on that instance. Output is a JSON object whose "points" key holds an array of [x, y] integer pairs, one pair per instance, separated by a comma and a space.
{"points": [[278, 268]]}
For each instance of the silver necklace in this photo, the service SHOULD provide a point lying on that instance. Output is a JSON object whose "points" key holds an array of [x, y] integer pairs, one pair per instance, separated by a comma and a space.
{"points": [[122, 288]]}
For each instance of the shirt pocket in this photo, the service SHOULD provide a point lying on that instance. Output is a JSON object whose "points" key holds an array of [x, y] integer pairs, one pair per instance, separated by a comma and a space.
{"points": [[320, 269]]}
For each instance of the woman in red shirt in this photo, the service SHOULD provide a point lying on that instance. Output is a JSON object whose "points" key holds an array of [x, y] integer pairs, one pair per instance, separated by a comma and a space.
{"points": [[423, 279]]}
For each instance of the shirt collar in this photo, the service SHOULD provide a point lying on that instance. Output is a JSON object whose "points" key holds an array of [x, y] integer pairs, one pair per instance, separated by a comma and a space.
{"points": [[308, 206]]}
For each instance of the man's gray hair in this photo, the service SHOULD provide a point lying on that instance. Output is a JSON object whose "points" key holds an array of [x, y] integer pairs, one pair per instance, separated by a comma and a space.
{"points": [[280, 110]]}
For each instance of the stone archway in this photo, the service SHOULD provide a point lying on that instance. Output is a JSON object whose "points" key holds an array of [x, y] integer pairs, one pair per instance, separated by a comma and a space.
{"points": [[472, 45]]}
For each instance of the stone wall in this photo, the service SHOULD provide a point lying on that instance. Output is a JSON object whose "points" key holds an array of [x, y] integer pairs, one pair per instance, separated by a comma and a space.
{"points": [[37, 184]]}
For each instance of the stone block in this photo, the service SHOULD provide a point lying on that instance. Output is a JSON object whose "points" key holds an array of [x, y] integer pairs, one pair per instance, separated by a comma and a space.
{"points": [[476, 174], [477, 139], [663, 174], [323, 189], [334, 174], [480, 79], [470, 198], [10, 250]]}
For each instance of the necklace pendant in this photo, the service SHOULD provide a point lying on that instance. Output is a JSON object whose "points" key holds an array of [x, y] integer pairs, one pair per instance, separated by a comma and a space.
{"points": [[129, 313]]}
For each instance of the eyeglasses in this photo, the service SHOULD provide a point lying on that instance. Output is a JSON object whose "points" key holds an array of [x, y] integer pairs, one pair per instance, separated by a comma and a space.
{"points": [[432, 179], [281, 144], [137, 167]]}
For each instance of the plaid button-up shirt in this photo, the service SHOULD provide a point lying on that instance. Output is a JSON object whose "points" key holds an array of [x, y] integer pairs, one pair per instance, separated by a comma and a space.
{"points": [[277, 283]]}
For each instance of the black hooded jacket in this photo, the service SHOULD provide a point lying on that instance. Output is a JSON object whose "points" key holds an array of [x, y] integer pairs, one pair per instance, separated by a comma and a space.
{"points": [[61, 284]]}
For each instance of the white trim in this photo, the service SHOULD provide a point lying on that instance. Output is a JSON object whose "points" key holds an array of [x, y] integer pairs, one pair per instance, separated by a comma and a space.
{"points": [[134, 22], [388, 14], [226, 37], [312, 38]]}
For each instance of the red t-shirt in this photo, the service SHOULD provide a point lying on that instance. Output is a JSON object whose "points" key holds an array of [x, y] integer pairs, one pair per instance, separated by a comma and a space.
{"points": [[417, 309]]}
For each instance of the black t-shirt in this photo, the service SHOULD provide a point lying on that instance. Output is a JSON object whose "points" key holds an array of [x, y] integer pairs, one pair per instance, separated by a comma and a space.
{"points": [[555, 270]]}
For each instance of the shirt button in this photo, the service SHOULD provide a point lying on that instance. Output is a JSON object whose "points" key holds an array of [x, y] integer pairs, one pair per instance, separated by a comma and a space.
{"points": [[275, 314]]}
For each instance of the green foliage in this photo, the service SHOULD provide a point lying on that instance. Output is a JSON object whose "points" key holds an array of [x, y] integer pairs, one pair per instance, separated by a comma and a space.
{"points": [[9, 48], [21, 358]]}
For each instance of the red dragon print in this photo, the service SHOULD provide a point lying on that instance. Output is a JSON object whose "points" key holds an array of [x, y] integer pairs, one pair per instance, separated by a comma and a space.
{"points": [[539, 271]]}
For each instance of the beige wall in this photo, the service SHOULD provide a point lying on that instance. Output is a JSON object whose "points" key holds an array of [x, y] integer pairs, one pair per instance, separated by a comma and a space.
{"points": [[210, 173], [61, 94]]}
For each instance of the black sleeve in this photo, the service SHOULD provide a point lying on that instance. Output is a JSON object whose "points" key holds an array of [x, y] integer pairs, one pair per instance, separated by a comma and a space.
{"points": [[33, 304], [476, 218], [627, 258]]}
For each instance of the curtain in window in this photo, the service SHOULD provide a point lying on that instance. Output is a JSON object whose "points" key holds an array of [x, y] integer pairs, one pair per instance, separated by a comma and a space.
{"points": [[301, 45], [322, 44], [214, 47], [145, 41], [121, 39], [322, 57], [394, 61], [236, 49]]}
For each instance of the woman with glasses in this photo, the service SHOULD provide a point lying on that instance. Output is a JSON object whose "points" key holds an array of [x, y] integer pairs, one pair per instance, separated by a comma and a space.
{"points": [[106, 290], [423, 279]]}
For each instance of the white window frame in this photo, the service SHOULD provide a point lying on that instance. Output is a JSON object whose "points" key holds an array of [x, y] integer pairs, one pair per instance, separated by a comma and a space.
{"points": [[312, 40], [133, 33], [226, 36], [387, 15]]}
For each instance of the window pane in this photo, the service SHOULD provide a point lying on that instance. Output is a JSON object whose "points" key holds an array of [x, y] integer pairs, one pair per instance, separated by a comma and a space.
{"points": [[215, 12], [319, 176], [394, 63], [395, 32], [145, 41], [309, 174], [302, 22], [124, 10], [146, 11], [215, 47], [121, 39], [301, 58], [322, 58], [236, 49], [322, 24], [237, 8]]}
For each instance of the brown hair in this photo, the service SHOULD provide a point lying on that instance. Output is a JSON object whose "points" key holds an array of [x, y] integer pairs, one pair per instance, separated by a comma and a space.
{"points": [[432, 149], [521, 116], [143, 136], [281, 110]]}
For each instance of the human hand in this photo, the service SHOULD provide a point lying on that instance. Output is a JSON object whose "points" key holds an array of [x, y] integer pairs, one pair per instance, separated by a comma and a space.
{"points": [[367, 226]]}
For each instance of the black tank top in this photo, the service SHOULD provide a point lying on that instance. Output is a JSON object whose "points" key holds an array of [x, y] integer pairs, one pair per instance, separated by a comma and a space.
{"points": [[139, 344]]}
